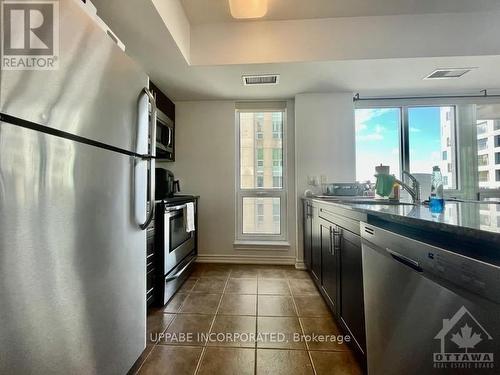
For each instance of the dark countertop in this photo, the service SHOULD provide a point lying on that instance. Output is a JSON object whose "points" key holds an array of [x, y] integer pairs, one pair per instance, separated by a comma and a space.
{"points": [[465, 225]]}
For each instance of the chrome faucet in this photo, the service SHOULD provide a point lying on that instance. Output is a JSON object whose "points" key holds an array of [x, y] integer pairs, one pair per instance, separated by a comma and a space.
{"points": [[414, 189]]}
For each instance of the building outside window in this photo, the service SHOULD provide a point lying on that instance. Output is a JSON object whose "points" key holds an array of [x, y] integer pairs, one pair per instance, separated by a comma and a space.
{"points": [[482, 127], [482, 144], [261, 189], [488, 134], [277, 122], [483, 160], [259, 123], [484, 176]]}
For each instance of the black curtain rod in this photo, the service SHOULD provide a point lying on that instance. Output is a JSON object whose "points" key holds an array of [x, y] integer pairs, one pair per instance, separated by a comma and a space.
{"points": [[357, 98]]}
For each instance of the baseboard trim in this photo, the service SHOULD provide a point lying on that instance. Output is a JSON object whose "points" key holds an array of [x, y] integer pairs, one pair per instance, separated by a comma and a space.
{"points": [[300, 265], [246, 259]]}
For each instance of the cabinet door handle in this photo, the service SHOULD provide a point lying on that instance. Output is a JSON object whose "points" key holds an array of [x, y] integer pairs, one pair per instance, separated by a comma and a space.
{"points": [[332, 241], [337, 237]]}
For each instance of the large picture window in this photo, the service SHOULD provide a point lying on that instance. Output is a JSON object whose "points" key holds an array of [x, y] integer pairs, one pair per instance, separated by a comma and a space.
{"points": [[411, 138], [261, 186]]}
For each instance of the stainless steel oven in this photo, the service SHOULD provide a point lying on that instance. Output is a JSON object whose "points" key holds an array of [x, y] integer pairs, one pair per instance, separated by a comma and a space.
{"points": [[177, 241]]}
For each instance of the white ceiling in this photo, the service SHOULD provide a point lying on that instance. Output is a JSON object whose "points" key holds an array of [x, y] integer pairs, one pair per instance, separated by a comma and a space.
{"points": [[214, 11], [149, 42]]}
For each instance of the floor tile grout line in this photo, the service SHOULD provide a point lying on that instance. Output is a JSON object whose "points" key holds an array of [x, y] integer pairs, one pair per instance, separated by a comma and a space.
{"points": [[302, 329], [256, 326], [205, 344], [198, 365]]}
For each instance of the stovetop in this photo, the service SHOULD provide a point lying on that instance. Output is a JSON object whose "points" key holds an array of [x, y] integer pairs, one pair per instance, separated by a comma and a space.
{"points": [[178, 198]]}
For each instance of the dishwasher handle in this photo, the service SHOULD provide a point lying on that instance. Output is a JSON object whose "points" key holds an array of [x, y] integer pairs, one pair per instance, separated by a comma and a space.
{"points": [[413, 264]]}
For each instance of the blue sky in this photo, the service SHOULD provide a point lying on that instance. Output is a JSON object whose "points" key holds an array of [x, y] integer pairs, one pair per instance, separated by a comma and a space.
{"points": [[377, 139]]}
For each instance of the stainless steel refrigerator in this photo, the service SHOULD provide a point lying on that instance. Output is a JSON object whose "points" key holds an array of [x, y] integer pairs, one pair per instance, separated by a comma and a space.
{"points": [[73, 180]]}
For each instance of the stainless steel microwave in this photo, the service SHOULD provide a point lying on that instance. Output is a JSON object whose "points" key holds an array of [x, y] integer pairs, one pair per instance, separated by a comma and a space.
{"points": [[164, 137]]}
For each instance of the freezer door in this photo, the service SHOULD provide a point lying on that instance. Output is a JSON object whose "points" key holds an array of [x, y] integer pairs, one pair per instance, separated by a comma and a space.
{"points": [[94, 93], [72, 256]]}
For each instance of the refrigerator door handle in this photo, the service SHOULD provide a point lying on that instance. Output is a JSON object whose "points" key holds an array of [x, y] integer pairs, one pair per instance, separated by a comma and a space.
{"points": [[151, 155]]}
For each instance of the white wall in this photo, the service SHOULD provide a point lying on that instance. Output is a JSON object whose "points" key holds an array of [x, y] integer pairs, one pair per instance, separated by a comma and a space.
{"points": [[205, 164], [324, 143], [174, 17]]}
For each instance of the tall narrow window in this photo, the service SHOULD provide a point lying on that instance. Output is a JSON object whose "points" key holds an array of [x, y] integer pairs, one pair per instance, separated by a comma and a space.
{"points": [[261, 193]]}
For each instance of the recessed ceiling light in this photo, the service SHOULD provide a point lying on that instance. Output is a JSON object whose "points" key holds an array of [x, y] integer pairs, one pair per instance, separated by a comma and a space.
{"points": [[261, 79], [448, 73], [248, 8]]}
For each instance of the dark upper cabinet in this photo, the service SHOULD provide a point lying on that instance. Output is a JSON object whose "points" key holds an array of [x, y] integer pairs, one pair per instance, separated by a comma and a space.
{"points": [[163, 103], [308, 215], [351, 281], [165, 126]]}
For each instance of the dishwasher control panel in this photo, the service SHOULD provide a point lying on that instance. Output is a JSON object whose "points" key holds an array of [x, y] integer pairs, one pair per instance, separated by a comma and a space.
{"points": [[470, 274]]}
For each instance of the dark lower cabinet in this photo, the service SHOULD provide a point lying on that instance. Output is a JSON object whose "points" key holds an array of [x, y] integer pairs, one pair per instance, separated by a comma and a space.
{"points": [[307, 233], [332, 247], [351, 281], [329, 265], [315, 246]]}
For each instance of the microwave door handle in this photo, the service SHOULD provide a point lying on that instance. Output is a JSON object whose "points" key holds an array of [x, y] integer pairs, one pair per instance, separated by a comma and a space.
{"points": [[150, 157]]}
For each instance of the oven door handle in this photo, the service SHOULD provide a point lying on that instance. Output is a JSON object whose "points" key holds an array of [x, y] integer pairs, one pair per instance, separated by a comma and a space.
{"points": [[178, 274], [175, 208]]}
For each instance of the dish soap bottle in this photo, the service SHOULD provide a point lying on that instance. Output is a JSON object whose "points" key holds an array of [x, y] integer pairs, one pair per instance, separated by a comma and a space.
{"points": [[436, 202]]}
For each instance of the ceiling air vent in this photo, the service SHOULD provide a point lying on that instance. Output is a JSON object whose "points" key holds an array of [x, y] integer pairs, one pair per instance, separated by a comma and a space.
{"points": [[448, 73], [262, 79]]}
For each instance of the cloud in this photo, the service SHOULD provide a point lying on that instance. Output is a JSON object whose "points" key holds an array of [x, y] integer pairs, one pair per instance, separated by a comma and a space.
{"points": [[436, 155], [374, 136], [371, 137], [365, 115], [414, 130]]}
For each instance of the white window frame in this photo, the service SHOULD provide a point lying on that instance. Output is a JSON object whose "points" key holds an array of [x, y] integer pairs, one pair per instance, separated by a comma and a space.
{"points": [[281, 193]]}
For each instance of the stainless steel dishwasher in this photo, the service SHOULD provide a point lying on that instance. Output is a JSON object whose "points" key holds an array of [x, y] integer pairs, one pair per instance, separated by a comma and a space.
{"points": [[428, 310]]}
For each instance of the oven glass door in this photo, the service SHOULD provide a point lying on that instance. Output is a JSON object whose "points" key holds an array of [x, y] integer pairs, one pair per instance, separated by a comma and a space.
{"points": [[178, 242], [177, 230]]}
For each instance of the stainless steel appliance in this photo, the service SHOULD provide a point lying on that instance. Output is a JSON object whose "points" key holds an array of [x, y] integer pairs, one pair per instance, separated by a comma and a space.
{"points": [[428, 310], [176, 245], [73, 171], [164, 136]]}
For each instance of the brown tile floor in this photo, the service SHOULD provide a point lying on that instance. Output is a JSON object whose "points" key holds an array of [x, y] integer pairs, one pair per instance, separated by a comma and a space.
{"points": [[275, 304]]}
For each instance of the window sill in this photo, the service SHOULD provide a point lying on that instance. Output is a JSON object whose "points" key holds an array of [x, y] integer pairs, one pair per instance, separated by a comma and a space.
{"points": [[261, 245]]}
